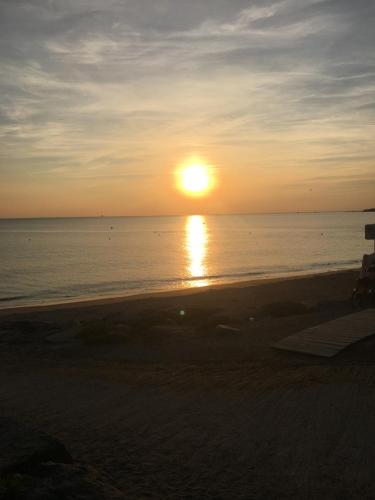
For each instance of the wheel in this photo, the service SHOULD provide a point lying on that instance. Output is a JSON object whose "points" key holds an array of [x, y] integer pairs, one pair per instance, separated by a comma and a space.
{"points": [[357, 299]]}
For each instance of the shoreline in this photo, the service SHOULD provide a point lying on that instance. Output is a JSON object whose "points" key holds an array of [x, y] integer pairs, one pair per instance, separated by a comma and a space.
{"points": [[115, 299]]}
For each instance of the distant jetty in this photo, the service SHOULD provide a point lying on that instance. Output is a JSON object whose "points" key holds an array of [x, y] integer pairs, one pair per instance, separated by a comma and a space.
{"points": [[369, 210]]}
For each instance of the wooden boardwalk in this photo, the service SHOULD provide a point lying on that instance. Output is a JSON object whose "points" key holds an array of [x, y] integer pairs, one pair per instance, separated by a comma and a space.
{"points": [[332, 337]]}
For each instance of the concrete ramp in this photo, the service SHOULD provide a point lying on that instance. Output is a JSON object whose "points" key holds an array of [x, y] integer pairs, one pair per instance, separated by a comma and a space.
{"points": [[328, 339]]}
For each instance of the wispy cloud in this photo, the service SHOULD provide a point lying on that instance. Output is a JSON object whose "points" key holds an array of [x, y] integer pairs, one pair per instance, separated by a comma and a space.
{"points": [[86, 80]]}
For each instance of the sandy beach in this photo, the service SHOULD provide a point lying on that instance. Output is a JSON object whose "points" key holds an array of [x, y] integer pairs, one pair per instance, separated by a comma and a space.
{"points": [[153, 392]]}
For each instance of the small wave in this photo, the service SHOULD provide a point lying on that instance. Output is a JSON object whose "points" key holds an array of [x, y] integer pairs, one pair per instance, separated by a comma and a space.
{"points": [[14, 297], [224, 276], [335, 263]]}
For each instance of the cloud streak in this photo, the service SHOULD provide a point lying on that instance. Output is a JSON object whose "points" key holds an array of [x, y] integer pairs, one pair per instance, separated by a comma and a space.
{"points": [[285, 82]]}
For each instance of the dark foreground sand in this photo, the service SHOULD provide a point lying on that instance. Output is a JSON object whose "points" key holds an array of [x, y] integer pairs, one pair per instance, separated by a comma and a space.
{"points": [[173, 407]]}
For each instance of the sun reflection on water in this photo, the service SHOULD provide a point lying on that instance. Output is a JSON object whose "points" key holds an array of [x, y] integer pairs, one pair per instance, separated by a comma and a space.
{"points": [[196, 239]]}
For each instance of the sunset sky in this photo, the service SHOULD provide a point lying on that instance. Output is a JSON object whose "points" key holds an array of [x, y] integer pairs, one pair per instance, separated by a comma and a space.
{"points": [[102, 100]]}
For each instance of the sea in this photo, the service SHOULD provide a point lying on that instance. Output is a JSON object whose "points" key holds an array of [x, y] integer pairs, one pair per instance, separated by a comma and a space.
{"points": [[54, 260]]}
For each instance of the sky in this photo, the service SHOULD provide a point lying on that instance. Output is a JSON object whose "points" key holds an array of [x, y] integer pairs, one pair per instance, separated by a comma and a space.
{"points": [[101, 101]]}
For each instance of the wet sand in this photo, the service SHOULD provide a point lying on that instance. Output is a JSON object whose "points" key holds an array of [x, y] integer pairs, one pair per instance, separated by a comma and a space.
{"points": [[172, 406]]}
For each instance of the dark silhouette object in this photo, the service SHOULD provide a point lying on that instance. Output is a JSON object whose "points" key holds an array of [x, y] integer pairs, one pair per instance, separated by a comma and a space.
{"points": [[282, 309], [23, 448], [364, 292], [35, 466]]}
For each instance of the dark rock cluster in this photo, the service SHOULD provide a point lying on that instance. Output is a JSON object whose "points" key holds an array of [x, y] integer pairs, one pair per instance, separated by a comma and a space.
{"points": [[36, 466]]}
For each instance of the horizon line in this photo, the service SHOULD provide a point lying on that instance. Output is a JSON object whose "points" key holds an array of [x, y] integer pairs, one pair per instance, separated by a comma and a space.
{"points": [[186, 215]]}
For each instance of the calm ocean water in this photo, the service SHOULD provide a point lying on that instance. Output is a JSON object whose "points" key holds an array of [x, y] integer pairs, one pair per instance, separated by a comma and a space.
{"points": [[58, 260]]}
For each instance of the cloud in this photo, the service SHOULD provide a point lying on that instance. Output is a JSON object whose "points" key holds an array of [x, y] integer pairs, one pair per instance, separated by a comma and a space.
{"points": [[86, 80]]}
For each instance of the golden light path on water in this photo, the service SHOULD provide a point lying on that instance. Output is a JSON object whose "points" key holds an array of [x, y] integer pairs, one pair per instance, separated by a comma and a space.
{"points": [[196, 240]]}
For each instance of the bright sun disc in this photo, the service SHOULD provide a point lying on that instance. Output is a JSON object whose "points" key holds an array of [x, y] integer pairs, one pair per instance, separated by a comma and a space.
{"points": [[195, 179]]}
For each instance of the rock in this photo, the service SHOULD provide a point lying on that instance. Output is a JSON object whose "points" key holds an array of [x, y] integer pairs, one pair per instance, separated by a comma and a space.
{"points": [[63, 337], [102, 332], [212, 320], [36, 466], [121, 332], [227, 328], [22, 448], [6, 334], [195, 315], [332, 305], [147, 319], [51, 481], [94, 332], [282, 309], [25, 331]]}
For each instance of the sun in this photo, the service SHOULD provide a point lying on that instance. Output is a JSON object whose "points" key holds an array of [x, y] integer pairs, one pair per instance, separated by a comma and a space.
{"points": [[195, 178]]}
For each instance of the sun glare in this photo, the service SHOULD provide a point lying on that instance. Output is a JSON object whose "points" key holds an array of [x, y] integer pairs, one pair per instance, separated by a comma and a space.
{"points": [[195, 179], [196, 241]]}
